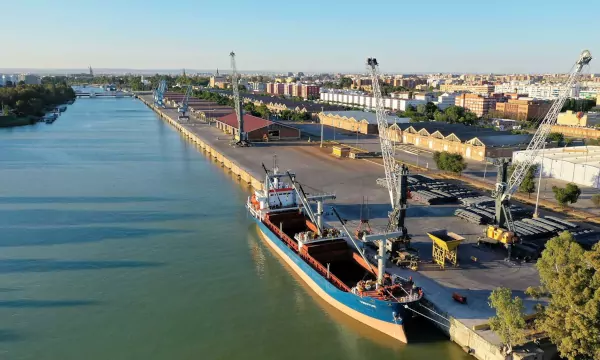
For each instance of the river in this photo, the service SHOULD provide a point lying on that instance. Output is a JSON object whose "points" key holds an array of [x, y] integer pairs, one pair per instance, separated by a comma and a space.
{"points": [[120, 240]]}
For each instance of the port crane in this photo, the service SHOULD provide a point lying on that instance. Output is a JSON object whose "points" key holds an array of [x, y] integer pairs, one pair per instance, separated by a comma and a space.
{"points": [[503, 230], [395, 175], [183, 108], [159, 93], [242, 139]]}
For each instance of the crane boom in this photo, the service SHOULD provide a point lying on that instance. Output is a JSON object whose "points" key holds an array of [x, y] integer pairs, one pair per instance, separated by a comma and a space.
{"points": [[541, 134], [506, 188], [236, 99], [387, 149]]}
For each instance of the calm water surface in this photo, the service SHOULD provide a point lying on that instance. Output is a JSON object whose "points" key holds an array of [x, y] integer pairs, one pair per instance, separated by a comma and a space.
{"points": [[119, 240]]}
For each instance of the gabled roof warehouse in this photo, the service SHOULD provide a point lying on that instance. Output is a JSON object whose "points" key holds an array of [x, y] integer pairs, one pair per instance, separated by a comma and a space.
{"points": [[471, 142], [290, 104], [258, 129], [370, 117]]}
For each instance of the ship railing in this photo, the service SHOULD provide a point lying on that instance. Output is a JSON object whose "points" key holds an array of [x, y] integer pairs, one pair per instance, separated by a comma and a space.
{"points": [[309, 259]]}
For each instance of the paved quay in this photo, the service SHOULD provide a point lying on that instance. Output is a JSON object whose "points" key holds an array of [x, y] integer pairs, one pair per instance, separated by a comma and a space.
{"points": [[351, 180]]}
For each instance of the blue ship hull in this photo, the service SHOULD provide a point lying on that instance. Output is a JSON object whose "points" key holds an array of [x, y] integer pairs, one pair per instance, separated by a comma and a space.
{"points": [[385, 316]]}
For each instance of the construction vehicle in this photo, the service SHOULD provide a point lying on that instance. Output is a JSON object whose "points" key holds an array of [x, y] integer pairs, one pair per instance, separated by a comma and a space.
{"points": [[183, 107], [503, 230], [159, 94], [241, 138], [395, 176], [408, 258]]}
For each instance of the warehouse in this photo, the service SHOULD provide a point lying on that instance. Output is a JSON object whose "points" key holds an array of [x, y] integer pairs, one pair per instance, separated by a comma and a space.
{"points": [[469, 141], [577, 164], [361, 121], [203, 109], [258, 129]]}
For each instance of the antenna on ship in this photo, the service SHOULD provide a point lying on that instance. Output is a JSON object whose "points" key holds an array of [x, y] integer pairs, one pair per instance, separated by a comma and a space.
{"points": [[275, 168]]}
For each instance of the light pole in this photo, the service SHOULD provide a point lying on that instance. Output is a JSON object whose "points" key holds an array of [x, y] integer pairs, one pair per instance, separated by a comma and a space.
{"points": [[418, 157], [537, 200], [485, 170], [321, 121]]}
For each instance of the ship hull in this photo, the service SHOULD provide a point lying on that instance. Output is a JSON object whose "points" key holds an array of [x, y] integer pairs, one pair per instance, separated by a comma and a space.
{"points": [[386, 317]]}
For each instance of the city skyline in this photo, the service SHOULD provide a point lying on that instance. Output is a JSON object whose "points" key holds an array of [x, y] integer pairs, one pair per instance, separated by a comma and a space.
{"points": [[457, 37]]}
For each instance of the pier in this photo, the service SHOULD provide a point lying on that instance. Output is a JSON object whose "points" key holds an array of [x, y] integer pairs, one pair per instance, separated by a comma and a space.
{"points": [[351, 180]]}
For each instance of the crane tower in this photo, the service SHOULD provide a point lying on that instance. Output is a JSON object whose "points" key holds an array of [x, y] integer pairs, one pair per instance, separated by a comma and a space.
{"points": [[242, 139], [505, 189], [395, 175]]}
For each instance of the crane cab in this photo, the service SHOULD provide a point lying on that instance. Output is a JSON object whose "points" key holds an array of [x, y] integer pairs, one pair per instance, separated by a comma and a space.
{"points": [[500, 235]]}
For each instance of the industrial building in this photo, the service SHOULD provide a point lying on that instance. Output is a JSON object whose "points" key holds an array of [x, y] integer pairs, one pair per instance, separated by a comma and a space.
{"points": [[278, 104], [470, 142], [356, 121], [578, 164], [258, 129], [570, 118], [204, 109]]}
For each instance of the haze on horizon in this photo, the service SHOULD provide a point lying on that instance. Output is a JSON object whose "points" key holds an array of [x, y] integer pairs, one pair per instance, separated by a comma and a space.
{"points": [[463, 36]]}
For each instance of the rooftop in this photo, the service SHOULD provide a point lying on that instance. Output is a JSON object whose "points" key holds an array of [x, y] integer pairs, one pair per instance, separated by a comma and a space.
{"points": [[580, 155], [368, 116], [251, 122]]}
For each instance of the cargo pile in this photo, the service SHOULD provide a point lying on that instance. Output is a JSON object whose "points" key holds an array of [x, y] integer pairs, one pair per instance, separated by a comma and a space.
{"points": [[430, 191]]}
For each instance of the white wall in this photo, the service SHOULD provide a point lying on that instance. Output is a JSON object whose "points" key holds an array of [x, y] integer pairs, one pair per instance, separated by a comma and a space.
{"points": [[580, 174]]}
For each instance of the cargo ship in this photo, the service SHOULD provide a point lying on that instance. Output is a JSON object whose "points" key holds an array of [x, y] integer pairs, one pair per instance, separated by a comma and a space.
{"points": [[330, 262]]}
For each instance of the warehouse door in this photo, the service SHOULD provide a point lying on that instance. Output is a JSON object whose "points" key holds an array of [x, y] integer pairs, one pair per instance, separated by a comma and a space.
{"points": [[468, 153], [274, 135]]}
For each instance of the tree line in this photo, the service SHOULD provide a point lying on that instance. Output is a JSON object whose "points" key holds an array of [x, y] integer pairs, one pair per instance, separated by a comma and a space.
{"points": [[134, 82], [427, 112], [34, 100]]}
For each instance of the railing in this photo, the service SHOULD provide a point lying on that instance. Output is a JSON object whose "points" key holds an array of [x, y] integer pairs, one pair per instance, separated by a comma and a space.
{"points": [[309, 259]]}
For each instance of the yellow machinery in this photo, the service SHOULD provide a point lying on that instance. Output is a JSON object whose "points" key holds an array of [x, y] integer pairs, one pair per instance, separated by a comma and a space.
{"points": [[500, 235], [445, 247], [341, 151]]}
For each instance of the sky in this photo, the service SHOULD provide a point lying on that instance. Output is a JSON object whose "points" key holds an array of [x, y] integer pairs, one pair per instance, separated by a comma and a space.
{"points": [[460, 36]]}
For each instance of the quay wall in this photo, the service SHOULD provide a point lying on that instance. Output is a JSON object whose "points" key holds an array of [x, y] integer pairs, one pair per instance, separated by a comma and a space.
{"points": [[230, 164]]}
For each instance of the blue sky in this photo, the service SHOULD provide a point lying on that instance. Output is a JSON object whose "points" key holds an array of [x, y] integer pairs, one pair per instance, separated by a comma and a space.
{"points": [[306, 35]]}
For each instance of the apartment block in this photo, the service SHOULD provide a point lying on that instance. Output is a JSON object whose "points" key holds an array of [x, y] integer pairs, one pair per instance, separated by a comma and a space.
{"points": [[475, 89], [522, 109], [478, 104]]}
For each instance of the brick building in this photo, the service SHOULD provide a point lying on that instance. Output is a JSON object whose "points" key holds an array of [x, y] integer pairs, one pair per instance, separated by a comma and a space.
{"points": [[520, 109], [478, 104]]}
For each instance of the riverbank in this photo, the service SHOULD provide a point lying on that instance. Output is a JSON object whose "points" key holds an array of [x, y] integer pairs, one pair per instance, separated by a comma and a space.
{"points": [[351, 180], [11, 121]]}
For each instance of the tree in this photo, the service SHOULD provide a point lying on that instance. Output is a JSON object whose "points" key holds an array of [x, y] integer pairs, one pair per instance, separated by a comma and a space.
{"points": [[446, 161], [556, 136], [430, 109], [596, 199], [568, 194], [509, 321], [528, 185], [345, 82], [571, 277], [440, 116]]}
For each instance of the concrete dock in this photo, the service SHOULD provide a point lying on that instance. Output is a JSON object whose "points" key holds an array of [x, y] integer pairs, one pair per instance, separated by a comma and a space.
{"points": [[351, 180]]}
